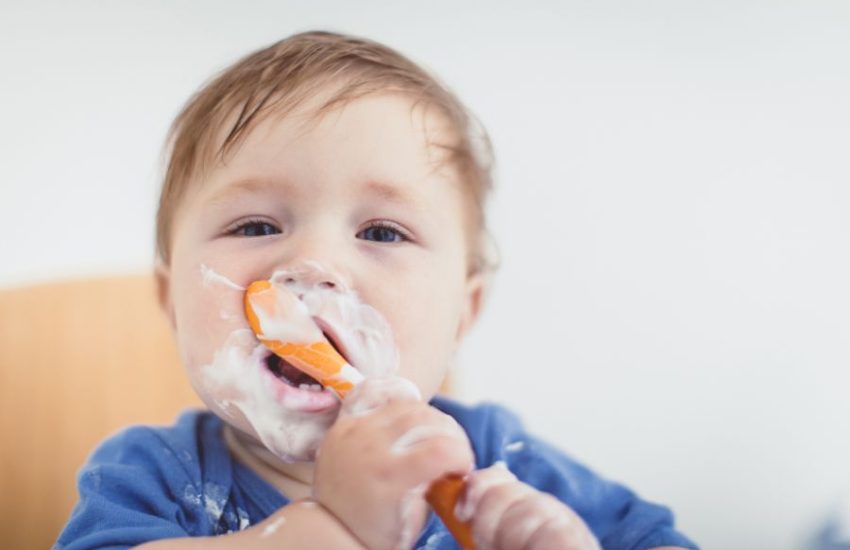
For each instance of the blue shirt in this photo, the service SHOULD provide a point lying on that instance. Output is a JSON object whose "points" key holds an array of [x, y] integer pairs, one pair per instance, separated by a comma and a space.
{"points": [[150, 483]]}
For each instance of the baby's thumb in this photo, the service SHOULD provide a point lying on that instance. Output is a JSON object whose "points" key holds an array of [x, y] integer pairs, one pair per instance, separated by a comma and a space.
{"points": [[375, 393]]}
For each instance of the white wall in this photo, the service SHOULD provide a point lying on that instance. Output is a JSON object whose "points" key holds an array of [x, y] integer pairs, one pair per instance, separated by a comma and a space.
{"points": [[672, 212]]}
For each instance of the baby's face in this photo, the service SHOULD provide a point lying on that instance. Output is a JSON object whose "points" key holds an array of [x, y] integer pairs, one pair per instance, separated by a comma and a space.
{"points": [[354, 200]]}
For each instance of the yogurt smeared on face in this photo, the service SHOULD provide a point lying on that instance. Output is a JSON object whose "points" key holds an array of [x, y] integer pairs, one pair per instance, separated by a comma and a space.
{"points": [[289, 420]]}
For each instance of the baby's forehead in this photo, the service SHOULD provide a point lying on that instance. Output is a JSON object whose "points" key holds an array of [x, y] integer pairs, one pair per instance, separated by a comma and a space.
{"points": [[380, 130], [326, 109]]}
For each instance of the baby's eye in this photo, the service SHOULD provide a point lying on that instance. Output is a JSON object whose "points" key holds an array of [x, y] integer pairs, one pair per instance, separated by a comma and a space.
{"points": [[255, 228], [382, 233]]}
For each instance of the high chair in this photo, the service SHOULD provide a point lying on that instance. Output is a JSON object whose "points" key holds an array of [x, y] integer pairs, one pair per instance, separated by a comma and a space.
{"points": [[79, 360]]}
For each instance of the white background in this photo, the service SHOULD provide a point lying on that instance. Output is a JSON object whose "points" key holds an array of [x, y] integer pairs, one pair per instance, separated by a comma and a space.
{"points": [[672, 212]]}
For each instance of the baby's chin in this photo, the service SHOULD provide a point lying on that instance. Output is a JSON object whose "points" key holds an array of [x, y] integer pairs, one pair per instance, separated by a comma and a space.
{"points": [[290, 436]]}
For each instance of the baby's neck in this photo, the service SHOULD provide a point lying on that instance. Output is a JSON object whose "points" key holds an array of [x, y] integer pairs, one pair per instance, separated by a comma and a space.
{"points": [[294, 480]]}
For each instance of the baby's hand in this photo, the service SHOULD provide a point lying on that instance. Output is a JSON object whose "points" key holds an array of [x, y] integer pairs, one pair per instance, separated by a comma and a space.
{"points": [[379, 458], [507, 514]]}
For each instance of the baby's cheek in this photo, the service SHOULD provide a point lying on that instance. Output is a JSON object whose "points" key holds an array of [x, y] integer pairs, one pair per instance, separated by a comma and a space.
{"points": [[427, 334], [219, 302], [203, 333], [425, 366]]}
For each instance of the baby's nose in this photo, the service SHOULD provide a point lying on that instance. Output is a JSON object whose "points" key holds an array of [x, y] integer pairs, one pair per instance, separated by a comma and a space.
{"points": [[321, 282], [309, 275]]}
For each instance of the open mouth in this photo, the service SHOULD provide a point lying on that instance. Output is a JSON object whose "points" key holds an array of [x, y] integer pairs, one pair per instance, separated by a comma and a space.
{"points": [[292, 375], [289, 374]]}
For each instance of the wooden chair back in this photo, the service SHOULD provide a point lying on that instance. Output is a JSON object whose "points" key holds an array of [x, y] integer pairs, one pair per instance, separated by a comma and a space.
{"points": [[79, 360]]}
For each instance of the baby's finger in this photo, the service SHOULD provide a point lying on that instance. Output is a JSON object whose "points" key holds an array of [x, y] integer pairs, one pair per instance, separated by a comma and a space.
{"points": [[522, 519], [542, 521], [564, 531], [477, 483], [418, 424], [489, 519], [433, 445], [375, 393]]}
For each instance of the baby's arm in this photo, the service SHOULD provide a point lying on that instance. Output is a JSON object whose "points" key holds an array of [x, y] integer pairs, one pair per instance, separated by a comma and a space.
{"points": [[303, 524]]}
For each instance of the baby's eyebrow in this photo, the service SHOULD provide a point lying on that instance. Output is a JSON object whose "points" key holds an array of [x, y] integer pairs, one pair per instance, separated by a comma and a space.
{"points": [[389, 192], [251, 185], [382, 190]]}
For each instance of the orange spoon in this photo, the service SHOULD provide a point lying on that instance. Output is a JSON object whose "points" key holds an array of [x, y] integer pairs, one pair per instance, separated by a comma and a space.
{"points": [[318, 358]]}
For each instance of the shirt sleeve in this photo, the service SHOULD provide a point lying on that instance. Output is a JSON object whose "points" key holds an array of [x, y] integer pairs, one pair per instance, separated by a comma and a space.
{"points": [[132, 490], [615, 514]]}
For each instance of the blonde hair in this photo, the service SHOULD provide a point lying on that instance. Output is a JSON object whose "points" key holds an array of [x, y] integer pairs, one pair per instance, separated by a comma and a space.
{"points": [[280, 77]]}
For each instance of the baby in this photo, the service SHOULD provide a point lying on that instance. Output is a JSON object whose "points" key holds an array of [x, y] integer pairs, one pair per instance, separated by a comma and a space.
{"points": [[340, 170]]}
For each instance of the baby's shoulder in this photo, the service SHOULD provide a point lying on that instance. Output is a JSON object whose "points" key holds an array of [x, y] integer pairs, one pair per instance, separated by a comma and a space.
{"points": [[494, 431], [485, 415], [499, 436], [180, 445], [149, 482]]}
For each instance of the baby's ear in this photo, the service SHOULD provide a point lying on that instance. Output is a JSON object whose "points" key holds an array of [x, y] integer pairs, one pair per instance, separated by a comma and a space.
{"points": [[473, 301], [162, 277]]}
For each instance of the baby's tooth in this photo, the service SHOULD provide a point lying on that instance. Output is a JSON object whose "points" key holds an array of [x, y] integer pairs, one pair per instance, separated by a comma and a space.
{"points": [[317, 387], [303, 386]]}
